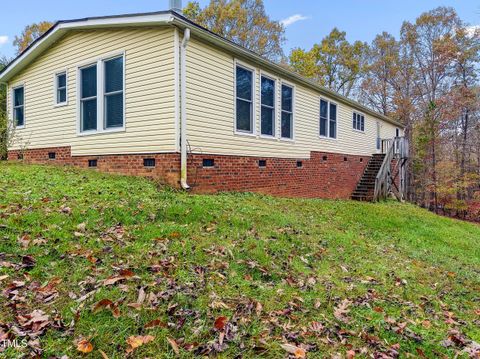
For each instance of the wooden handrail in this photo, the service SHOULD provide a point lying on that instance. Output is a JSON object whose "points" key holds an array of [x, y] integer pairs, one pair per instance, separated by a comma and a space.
{"points": [[395, 148]]}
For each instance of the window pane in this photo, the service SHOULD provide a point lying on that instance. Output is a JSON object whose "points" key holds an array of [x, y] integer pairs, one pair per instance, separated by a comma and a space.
{"points": [[333, 112], [286, 125], [244, 114], [287, 93], [89, 81], [323, 108], [61, 96], [323, 127], [268, 92], [89, 115], [354, 120], [114, 110], [19, 118], [363, 123], [268, 121], [244, 83], [61, 80], [114, 75], [18, 96], [333, 129]]}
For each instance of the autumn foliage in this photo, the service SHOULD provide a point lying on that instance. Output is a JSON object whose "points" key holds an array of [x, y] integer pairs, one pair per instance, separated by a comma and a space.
{"points": [[30, 34], [428, 79]]}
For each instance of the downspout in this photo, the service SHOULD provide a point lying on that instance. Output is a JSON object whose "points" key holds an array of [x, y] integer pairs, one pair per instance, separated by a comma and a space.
{"points": [[183, 109]]}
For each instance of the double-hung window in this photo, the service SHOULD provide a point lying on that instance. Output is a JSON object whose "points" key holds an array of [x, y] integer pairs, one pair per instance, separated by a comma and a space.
{"points": [[358, 122], [267, 115], [19, 106], [287, 112], [61, 88], [102, 95], [88, 98], [244, 100], [328, 119], [113, 73]]}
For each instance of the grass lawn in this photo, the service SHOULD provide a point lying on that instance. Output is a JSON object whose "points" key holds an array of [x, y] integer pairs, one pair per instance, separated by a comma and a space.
{"points": [[113, 264]]}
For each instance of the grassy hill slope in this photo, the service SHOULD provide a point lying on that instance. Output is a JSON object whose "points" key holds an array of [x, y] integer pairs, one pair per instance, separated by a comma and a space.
{"points": [[98, 260]]}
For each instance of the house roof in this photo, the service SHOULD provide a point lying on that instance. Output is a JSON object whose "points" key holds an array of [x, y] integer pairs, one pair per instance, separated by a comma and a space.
{"points": [[60, 28]]}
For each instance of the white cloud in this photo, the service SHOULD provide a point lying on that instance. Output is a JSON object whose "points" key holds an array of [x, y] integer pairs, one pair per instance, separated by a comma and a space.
{"points": [[3, 39], [293, 19]]}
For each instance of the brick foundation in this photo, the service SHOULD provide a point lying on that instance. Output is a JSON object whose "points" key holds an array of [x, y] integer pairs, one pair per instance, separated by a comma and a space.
{"points": [[324, 175]]}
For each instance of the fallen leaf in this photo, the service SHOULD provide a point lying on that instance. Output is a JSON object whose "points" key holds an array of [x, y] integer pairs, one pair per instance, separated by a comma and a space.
{"points": [[65, 209], [135, 341], [155, 323], [426, 324], [342, 310], [82, 227], [104, 303], [107, 304], [123, 274], [141, 296], [84, 346], [35, 322], [296, 351], [174, 345], [350, 354], [102, 353], [220, 323]]}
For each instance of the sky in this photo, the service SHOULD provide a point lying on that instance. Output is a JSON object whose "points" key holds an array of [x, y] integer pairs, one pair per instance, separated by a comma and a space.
{"points": [[306, 21]]}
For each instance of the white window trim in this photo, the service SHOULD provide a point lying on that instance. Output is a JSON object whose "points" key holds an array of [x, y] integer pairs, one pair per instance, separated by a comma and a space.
{"points": [[294, 91], [100, 95], [364, 121], [253, 133], [327, 137], [275, 105], [55, 88], [12, 98]]}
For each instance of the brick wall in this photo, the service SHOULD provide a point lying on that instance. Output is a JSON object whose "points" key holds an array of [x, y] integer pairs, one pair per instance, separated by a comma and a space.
{"points": [[324, 175], [167, 165]]}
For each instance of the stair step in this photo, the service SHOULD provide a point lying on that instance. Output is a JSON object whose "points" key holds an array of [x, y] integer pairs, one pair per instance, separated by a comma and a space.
{"points": [[366, 185]]}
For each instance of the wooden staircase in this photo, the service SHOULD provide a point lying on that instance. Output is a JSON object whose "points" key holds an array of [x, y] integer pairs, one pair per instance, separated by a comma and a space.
{"points": [[366, 186]]}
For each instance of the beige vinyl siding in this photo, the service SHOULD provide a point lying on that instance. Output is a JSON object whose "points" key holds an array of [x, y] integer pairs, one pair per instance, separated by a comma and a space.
{"points": [[211, 114], [149, 92]]}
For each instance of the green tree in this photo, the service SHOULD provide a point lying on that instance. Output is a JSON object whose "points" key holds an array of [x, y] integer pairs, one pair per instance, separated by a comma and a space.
{"points": [[333, 63], [242, 21], [30, 34]]}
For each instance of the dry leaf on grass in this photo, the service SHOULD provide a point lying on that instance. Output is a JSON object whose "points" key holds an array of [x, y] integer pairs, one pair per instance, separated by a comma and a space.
{"points": [[220, 323], [136, 341], [155, 323], [84, 346], [174, 345], [34, 323], [298, 352], [123, 274], [107, 304], [342, 310]]}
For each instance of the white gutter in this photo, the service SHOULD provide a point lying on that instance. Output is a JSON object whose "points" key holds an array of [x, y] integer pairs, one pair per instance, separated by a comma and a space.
{"points": [[183, 109]]}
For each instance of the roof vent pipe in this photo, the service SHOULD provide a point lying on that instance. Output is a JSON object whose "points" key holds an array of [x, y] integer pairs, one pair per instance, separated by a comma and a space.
{"points": [[176, 5]]}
